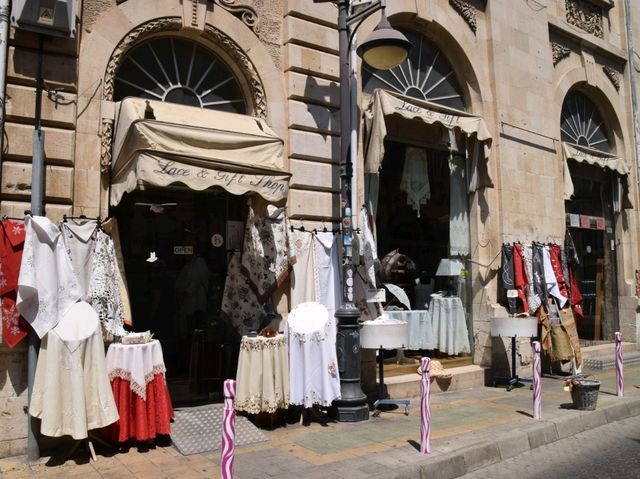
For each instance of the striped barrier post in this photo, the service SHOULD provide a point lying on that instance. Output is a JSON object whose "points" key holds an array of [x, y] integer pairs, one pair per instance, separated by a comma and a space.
{"points": [[537, 387], [425, 407], [228, 430], [619, 365]]}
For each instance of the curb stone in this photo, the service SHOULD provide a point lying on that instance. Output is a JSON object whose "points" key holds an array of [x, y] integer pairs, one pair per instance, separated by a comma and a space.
{"points": [[469, 459]]}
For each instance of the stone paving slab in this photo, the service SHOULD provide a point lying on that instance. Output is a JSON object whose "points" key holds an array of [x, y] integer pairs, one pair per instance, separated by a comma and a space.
{"points": [[471, 429]]}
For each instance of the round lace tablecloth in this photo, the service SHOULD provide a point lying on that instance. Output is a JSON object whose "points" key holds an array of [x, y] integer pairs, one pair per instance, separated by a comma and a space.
{"points": [[263, 374]]}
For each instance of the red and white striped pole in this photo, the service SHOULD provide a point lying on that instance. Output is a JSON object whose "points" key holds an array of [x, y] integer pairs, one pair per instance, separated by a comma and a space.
{"points": [[228, 430], [537, 386], [425, 407], [619, 365]]}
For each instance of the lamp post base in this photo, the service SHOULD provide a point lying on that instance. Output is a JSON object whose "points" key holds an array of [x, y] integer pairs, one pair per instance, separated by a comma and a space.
{"points": [[352, 413]]}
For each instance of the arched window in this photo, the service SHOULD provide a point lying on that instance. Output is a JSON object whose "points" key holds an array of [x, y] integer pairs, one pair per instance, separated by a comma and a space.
{"points": [[581, 123], [179, 71], [426, 75]]}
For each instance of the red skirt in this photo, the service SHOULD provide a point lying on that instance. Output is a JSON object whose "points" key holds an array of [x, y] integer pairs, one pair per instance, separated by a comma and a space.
{"points": [[141, 420]]}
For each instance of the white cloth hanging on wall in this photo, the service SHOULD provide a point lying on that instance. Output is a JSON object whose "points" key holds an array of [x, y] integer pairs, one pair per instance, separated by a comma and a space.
{"points": [[313, 363], [304, 280], [110, 226], [415, 178], [104, 291], [47, 285], [459, 238], [79, 240], [328, 291]]}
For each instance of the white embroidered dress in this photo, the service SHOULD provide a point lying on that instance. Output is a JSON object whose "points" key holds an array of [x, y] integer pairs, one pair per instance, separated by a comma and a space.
{"points": [[328, 291], [47, 286], [313, 362]]}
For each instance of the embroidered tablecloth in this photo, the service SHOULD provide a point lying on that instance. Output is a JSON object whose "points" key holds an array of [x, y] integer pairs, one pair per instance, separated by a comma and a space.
{"points": [[137, 379], [449, 325], [263, 374]]}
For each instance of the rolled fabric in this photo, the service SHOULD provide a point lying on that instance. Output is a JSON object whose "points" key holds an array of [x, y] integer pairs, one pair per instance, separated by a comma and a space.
{"points": [[425, 408], [537, 389], [228, 430]]}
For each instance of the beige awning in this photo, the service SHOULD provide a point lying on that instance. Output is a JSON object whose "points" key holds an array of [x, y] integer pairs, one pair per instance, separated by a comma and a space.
{"points": [[590, 156], [196, 147], [384, 103]]}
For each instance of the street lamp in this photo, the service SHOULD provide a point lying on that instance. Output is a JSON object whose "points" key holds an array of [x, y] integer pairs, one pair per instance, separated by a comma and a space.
{"points": [[384, 48]]}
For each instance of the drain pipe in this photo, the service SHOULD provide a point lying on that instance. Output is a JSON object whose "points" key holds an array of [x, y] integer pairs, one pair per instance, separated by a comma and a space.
{"points": [[5, 10], [355, 209], [632, 83]]}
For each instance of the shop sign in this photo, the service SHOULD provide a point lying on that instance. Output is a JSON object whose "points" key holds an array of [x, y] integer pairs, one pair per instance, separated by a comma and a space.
{"points": [[182, 250]]}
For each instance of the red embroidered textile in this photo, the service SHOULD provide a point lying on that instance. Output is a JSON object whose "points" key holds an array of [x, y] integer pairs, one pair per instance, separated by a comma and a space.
{"points": [[141, 420], [520, 277], [556, 264], [14, 327], [576, 297]]}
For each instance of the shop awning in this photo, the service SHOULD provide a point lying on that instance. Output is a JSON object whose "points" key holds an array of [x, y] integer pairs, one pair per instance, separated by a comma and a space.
{"points": [[590, 156], [384, 103], [196, 147]]}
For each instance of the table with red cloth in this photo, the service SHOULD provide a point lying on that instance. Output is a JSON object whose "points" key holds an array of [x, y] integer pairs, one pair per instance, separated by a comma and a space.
{"points": [[136, 372]]}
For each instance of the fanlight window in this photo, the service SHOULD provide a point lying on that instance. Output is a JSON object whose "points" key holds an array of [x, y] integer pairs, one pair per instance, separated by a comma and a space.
{"points": [[425, 74], [179, 71], [582, 124]]}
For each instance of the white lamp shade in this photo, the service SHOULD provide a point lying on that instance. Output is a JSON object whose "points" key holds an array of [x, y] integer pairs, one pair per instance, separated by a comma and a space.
{"points": [[450, 267]]}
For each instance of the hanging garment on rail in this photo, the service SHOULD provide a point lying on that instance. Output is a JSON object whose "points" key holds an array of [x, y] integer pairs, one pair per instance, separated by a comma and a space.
{"points": [[304, 277], [459, 237], [550, 278], [79, 239], [239, 303], [415, 178], [533, 299], [328, 292], [368, 247], [266, 260], [47, 285], [539, 280], [556, 264], [507, 278], [14, 326], [110, 226], [519, 277]]}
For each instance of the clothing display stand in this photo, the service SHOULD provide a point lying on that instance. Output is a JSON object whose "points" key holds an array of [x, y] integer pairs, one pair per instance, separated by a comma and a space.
{"points": [[88, 444], [513, 327], [381, 400]]}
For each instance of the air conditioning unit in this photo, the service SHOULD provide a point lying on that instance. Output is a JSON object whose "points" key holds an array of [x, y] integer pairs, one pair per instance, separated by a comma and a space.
{"points": [[49, 17]]}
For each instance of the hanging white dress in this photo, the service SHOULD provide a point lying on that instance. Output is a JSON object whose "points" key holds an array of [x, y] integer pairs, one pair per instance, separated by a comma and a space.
{"points": [[47, 285], [368, 247], [459, 237], [71, 390], [79, 240], [104, 290], [313, 363], [415, 178], [328, 292], [304, 279]]}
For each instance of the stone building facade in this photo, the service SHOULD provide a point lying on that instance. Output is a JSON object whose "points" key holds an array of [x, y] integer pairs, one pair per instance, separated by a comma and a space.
{"points": [[515, 63]]}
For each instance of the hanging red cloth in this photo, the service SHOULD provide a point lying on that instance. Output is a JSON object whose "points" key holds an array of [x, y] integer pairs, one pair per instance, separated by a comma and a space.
{"points": [[556, 264], [576, 297], [14, 327], [520, 277]]}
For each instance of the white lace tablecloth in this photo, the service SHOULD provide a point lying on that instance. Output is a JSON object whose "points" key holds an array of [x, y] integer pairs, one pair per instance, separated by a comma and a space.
{"points": [[263, 374], [449, 325], [136, 363], [420, 330]]}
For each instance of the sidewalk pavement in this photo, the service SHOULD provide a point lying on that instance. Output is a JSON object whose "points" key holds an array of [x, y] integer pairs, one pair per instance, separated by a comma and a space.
{"points": [[470, 429]]}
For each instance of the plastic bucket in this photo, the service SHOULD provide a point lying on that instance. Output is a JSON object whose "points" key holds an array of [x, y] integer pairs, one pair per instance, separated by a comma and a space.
{"points": [[584, 394]]}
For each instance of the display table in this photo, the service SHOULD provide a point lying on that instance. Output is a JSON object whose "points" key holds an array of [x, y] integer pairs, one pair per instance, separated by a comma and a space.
{"points": [[449, 324], [420, 329], [137, 379], [263, 374]]}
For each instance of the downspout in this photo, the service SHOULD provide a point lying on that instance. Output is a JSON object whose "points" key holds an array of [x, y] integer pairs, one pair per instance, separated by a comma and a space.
{"points": [[353, 60], [632, 83], [5, 9]]}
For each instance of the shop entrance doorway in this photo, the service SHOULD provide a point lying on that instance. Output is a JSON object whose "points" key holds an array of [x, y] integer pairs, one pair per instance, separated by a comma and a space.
{"points": [[590, 220], [422, 212], [175, 246]]}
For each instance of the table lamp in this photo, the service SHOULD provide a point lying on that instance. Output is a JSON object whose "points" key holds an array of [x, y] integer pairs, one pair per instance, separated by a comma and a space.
{"points": [[450, 268]]}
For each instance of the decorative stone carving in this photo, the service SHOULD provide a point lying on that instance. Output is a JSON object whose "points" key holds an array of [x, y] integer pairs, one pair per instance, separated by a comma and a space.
{"points": [[175, 24], [559, 52], [585, 15], [244, 12], [467, 12], [613, 75], [106, 136]]}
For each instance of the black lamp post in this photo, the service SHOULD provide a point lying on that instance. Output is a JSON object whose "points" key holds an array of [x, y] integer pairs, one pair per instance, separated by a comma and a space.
{"points": [[384, 48]]}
